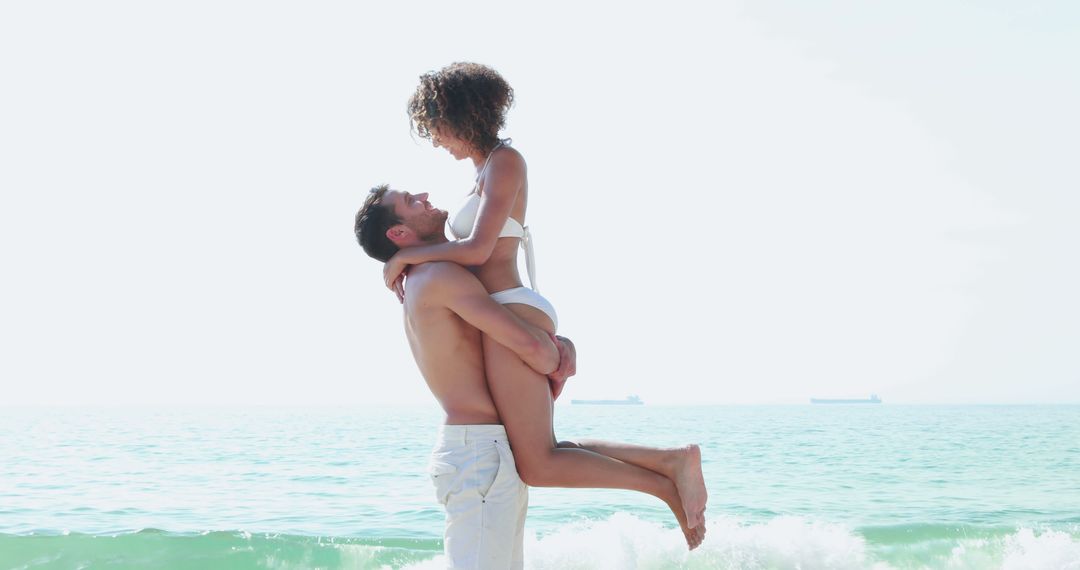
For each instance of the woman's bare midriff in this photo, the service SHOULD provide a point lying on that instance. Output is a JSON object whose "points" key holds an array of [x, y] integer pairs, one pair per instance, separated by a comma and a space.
{"points": [[500, 273]]}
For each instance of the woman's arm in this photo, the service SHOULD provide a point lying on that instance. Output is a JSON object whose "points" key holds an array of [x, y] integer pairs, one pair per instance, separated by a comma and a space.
{"points": [[503, 180]]}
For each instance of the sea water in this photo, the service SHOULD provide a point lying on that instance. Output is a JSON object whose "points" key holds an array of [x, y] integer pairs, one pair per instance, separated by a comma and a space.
{"points": [[864, 486]]}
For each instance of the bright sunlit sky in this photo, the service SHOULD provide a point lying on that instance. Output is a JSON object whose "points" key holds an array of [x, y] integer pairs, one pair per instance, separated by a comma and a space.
{"points": [[749, 202]]}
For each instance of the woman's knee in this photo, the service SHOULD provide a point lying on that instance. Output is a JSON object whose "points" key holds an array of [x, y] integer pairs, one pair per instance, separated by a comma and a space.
{"points": [[536, 469]]}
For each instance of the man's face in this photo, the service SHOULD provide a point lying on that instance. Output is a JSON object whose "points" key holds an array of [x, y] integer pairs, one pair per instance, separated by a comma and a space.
{"points": [[416, 213]]}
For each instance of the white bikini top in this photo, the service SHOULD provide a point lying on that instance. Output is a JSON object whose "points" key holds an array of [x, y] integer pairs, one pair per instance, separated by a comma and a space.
{"points": [[463, 220]]}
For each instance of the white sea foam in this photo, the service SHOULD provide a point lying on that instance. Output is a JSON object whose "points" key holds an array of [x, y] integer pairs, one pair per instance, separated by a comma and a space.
{"points": [[1051, 549], [624, 542]]}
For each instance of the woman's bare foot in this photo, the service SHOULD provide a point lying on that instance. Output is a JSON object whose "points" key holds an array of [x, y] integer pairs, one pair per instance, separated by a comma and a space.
{"points": [[694, 536], [685, 472]]}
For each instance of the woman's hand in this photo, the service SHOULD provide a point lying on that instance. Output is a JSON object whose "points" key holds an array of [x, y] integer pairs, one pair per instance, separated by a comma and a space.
{"points": [[399, 288], [393, 270]]}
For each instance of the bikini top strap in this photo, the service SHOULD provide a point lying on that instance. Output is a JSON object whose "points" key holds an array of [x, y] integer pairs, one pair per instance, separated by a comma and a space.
{"points": [[502, 143], [530, 256]]}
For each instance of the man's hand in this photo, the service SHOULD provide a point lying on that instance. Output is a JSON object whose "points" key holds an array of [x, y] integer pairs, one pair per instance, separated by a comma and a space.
{"points": [[567, 358], [567, 365]]}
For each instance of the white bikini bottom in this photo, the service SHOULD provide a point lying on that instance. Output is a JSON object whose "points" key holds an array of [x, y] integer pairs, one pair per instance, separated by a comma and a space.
{"points": [[526, 296]]}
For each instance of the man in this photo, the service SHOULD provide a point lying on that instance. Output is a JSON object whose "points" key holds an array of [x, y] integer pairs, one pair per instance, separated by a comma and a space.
{"points": [[446, 310]]}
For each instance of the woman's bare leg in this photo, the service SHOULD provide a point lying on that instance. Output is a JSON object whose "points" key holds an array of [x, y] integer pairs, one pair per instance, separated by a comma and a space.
{"points": [[524, 402], [680, 464]]}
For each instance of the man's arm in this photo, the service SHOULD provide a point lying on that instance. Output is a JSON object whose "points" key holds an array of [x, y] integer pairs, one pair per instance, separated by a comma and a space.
{"points": [[463, 294]]}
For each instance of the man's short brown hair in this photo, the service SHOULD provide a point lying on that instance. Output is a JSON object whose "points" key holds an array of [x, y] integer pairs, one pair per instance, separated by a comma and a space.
{"points": [[372, 222]]}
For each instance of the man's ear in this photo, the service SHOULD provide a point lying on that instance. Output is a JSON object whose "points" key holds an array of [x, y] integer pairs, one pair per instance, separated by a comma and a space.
{"points": [[398, 233]]}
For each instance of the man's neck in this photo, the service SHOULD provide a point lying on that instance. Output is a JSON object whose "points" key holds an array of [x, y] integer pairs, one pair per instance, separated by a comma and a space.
{"points": [[436, 239], [433, 239]]}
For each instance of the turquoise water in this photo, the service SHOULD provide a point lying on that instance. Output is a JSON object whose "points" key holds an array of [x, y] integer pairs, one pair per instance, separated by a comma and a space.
{"points": [[790, 487]]}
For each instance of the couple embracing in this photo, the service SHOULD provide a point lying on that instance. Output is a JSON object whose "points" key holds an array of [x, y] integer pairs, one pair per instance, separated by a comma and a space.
{"points": [[486, 345]]}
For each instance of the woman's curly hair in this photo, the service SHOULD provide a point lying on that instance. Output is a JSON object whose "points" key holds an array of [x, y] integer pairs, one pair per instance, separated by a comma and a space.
{"points": [[468, 99]]}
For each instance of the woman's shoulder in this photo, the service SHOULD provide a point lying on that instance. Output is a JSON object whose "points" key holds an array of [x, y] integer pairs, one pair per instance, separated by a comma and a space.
{"points": [[507, 157]]}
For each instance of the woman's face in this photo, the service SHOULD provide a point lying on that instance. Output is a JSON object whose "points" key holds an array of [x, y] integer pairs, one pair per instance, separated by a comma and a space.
{"points": [[441, 137]]}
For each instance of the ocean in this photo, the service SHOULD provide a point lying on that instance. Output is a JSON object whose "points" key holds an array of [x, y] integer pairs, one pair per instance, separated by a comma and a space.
{"points": [[806, 487]]}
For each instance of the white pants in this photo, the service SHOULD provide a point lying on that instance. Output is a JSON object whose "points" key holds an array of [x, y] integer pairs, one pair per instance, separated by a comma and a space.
{"points": [[477, 483]]}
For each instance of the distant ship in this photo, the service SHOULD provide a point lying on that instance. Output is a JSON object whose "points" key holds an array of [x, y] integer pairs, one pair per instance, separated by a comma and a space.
{"points": [[872, 400], [628, 401]]}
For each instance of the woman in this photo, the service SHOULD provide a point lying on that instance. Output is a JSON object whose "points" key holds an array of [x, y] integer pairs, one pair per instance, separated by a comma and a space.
{"points": [[461, 108]]}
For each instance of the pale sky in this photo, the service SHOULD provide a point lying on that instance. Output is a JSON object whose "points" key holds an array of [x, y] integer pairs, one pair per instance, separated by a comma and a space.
{"points": [[750, 202]]}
